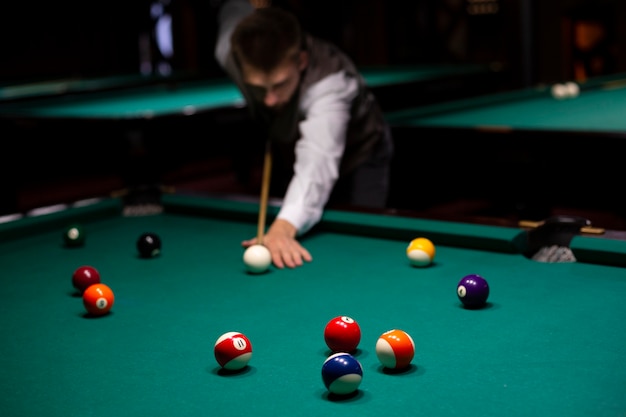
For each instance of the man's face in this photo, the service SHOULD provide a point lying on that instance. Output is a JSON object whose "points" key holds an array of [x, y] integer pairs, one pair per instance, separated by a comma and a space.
{"points": [[276, 87]]}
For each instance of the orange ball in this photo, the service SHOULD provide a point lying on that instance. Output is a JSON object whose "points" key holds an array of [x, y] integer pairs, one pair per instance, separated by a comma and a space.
{"points": [[395, 349], [98, 299], [421, 252]]}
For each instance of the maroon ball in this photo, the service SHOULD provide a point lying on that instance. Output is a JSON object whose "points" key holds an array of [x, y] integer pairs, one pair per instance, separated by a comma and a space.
{"points": [[84, 276], [473, 291]]}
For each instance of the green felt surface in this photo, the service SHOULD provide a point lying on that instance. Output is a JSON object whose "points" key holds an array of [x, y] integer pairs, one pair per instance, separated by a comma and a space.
{"points": [[550, 342], [599, 107], [377, 76], [138, 102], [101, 100], [40, 88]]}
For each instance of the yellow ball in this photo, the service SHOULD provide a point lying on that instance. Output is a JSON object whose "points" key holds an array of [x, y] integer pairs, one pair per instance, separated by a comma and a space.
{"points": [[421, 252]]}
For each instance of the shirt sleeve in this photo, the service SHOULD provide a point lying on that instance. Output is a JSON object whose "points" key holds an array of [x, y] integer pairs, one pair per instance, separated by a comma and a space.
{"points": [[318, 152], [230, 13]]}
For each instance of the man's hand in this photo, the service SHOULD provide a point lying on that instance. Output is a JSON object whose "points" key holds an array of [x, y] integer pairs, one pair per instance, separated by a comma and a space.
{"points": [[280, 239]]}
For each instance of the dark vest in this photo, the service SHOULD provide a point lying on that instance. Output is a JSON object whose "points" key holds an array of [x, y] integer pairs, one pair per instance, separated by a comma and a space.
{"points": [[366, 127]]}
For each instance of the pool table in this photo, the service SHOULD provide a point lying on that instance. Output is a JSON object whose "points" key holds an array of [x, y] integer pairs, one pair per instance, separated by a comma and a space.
{"points": [[522, 148], [551, 340], [148, 97], [139, 128]]}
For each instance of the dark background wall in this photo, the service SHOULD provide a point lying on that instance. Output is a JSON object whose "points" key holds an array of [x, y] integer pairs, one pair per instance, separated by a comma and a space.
{"points": [[534, 39]]}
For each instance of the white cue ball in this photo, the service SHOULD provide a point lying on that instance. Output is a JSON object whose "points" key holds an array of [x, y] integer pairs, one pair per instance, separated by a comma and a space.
{"points": [[257, 259], [572, 89], [559, 91]]}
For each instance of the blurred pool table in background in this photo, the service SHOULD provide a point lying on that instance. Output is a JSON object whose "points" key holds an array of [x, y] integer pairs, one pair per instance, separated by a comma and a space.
{"points": [[525, 150], [137, 96], [551, 341], [140, 128]]}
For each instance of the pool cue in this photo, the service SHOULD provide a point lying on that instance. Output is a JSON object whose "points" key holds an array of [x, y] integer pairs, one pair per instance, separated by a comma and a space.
{"points": [[265, 187]]}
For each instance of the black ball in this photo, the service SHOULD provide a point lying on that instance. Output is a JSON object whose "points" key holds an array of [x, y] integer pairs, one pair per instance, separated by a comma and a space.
{"points": [[149, 245]]}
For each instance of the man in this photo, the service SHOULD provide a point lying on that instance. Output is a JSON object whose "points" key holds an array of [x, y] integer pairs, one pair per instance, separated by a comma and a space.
{"points": [[320, 119]]}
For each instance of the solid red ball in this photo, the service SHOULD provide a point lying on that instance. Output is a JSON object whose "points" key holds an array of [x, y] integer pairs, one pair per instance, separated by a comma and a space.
{"points": [[84, 276], [342, 334]]}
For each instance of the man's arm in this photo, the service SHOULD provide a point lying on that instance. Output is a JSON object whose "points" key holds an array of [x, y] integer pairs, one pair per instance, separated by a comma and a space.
{"points": [[318, 156], [320, 149]]}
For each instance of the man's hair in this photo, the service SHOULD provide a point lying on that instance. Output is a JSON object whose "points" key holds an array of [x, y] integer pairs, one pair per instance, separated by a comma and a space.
{"points": [[265, 38]]}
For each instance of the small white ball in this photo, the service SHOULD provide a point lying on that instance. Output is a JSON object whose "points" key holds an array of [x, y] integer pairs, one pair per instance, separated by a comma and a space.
{"points": [[257, 259], [559, 91], [572, 89]]}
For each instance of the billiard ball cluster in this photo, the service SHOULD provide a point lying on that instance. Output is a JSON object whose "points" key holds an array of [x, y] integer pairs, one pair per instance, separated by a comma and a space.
{"points": [[341, 371], [98, 298], [566, 90]]}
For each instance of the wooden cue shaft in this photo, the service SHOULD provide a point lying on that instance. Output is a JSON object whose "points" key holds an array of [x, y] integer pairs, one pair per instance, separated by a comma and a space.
{"points": [[265, 187]]}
